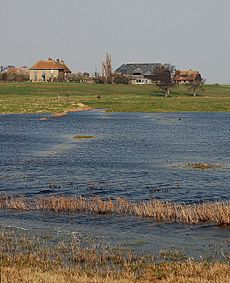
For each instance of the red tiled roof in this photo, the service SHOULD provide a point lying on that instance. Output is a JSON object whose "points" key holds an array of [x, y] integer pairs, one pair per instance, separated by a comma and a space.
{"points": [[50, 65], [186, 75]]}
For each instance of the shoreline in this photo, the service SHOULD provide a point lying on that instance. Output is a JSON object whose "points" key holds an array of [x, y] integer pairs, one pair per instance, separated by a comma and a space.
{"points": [[82, 107]]}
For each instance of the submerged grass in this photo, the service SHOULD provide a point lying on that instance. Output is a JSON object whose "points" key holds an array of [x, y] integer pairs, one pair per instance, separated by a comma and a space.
{"points": [[79, 137], [203, 165], [24, 258], [213, 212]]}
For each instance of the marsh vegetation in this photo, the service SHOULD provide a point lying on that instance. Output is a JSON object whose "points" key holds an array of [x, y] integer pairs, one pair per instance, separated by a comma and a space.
{"points": [[39, 259], [218, 213]]}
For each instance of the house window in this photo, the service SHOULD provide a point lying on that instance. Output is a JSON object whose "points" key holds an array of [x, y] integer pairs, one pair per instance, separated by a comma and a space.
{"points": [[35, 76]]}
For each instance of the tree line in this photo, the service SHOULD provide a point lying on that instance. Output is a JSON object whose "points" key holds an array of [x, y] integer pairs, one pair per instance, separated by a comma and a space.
{"points": [[12, 74], [163, 77]]}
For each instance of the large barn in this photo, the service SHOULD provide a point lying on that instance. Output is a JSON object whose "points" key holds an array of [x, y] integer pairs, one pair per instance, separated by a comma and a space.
{"points": [[138, 72]]}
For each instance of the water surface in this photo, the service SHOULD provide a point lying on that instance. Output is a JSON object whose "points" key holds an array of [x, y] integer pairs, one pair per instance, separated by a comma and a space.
{"points": [[139, 156]]}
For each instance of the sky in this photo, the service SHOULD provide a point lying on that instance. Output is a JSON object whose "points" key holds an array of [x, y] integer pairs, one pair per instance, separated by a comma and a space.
{"points": [[190, 34]]}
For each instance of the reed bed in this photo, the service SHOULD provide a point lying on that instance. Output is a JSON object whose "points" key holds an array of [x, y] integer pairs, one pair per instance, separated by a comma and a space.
{"points": [[213, 212]]}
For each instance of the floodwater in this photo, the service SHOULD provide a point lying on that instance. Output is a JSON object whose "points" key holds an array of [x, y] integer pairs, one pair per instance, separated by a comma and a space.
{"points": [[139, 156]]}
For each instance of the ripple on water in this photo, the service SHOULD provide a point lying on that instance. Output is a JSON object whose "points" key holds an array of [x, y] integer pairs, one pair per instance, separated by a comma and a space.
{"points": [[133, 156]]}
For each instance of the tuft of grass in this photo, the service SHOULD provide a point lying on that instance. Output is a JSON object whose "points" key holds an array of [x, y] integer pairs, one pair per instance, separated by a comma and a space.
{"points": [[203, 165], [79, 137], [216, 212]]}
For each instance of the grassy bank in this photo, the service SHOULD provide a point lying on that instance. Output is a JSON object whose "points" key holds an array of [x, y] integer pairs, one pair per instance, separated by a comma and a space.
{"points": [[61, 97]]}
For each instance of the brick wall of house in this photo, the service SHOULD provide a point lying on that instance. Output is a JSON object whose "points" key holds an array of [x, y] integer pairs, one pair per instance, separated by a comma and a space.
{"points": [[44, 75]]}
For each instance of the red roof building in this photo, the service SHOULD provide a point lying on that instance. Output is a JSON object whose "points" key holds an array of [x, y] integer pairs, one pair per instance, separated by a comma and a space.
{"points": [[49, 70], [187, 76]]}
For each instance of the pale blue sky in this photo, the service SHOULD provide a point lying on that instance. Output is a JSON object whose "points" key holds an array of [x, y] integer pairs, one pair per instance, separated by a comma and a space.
{"points": [[189, 34]]}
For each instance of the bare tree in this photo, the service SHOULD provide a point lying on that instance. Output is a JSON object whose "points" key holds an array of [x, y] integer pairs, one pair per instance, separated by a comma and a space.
{"points": [[196, 85], [163, 77], [107, 71]]}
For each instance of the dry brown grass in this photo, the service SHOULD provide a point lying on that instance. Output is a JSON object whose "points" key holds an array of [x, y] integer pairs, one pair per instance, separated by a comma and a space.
{"points": [[216, 212], [187, 272], [25, 258]]}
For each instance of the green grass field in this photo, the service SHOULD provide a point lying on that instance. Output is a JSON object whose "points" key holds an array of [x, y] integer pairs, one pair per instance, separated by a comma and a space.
{"points": [[59, 97]]}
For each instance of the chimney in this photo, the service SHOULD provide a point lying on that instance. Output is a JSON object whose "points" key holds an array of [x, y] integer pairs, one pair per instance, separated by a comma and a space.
{"points": [[58, 61]]}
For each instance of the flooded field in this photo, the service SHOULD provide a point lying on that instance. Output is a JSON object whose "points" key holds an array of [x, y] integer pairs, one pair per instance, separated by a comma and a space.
{"points": [[136, 156]]}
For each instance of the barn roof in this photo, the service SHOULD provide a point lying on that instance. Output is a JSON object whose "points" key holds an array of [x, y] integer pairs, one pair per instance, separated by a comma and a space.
{"points": [[133, 68], [50, 64]]}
